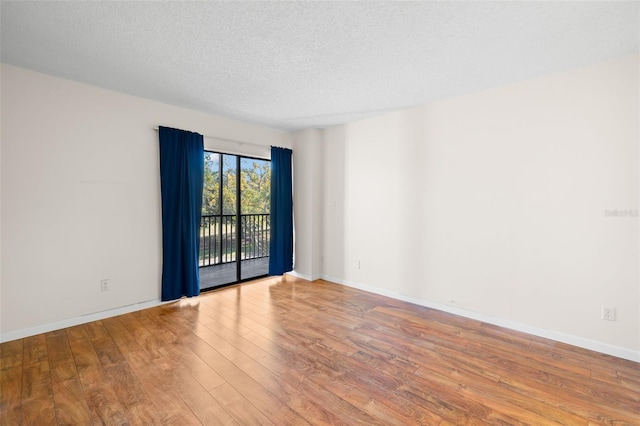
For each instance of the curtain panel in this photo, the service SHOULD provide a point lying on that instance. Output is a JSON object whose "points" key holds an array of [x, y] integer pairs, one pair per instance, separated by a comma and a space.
{"points": [[181, 183], [281, 244]]}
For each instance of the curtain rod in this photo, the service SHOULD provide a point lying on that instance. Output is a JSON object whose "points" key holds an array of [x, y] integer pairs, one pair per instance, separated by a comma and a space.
{"points": [[230, 140]]}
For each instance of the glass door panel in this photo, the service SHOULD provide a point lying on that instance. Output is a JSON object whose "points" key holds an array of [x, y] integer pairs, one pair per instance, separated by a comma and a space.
{"points": [[234, 231], [255, 184]]}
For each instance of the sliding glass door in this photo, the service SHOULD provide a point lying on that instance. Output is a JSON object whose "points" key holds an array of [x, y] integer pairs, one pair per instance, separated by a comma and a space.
{"points": [[235, 225]]}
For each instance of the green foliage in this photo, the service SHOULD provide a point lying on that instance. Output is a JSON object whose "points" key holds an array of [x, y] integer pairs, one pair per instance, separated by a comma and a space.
{"points": [[255, 185], [210, 194]]}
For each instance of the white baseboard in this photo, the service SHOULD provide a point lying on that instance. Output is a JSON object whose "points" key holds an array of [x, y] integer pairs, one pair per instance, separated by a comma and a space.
{"points": [[304, 276], [83, 319], [581, 342]]}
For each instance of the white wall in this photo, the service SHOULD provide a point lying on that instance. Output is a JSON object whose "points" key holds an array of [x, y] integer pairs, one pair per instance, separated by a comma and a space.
{"points": [[81, 197], [490, 205], [1, 133], [308, 195], [493, 205]]}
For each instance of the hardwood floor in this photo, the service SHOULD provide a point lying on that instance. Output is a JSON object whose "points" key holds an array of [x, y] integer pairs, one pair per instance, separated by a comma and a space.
{"points": [[279, 352]]}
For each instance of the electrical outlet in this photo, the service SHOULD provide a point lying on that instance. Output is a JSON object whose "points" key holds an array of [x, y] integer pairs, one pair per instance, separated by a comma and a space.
{"points": [[358, 264], [104, 285], [608, 314]]}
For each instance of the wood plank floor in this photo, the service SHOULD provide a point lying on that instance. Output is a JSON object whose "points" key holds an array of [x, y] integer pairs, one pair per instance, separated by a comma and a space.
{"points": [[278, 352]]}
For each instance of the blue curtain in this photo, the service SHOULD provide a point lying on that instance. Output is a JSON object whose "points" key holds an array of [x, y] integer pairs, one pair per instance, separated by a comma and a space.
{"points": [[181, 182], [281, 245]]}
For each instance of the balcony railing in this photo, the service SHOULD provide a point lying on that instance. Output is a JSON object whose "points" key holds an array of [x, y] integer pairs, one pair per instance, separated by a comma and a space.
{"points": [[218, 238]]}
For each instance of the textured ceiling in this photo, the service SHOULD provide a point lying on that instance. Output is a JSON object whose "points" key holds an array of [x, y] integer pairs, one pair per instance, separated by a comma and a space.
{"points": [[295, 65]]}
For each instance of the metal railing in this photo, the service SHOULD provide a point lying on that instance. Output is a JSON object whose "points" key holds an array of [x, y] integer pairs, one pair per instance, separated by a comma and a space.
{"points": [[218, 238]]}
